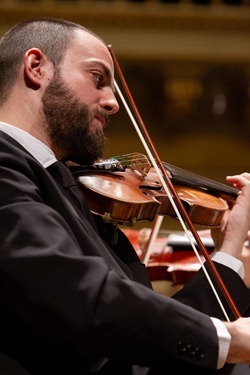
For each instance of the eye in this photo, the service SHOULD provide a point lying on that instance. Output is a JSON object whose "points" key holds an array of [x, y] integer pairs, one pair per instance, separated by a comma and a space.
{"points": [[99, 79]]}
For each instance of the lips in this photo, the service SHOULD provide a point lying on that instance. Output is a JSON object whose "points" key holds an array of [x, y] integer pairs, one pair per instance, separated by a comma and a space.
{"points": [[101, 119]]}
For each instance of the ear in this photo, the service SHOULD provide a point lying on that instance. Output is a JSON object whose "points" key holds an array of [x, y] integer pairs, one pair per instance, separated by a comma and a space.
{"points": [[35, 64]]}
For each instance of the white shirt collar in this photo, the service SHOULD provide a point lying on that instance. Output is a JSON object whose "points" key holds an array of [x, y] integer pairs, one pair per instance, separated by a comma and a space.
{"points": [[38, 149]]}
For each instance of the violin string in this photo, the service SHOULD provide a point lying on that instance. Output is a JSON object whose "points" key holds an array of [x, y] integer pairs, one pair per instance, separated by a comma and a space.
{"points": [[148, 151], [132, 157], [133, 160], [199, 182]]}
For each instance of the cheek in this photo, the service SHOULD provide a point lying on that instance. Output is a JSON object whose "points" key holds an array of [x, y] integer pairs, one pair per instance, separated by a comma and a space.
{"points": [[84, 91], [81, 87]]}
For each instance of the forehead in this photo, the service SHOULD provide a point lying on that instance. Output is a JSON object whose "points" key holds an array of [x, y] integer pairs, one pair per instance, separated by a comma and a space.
{"points": [[86, 47]]}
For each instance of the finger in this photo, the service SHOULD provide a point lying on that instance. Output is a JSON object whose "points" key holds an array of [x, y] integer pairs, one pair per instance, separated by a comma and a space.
{"points": [[239, 180]]}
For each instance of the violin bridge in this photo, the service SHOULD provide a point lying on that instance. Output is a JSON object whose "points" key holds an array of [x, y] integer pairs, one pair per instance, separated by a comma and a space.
{"points": [[140, 163]]}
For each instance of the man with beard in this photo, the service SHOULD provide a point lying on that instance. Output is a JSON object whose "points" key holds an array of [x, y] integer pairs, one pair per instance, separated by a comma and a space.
{"points": [[72, 302]]}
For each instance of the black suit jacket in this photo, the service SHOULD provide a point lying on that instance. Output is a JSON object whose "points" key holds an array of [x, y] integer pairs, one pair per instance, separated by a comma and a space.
{"points": [[70, 303]]}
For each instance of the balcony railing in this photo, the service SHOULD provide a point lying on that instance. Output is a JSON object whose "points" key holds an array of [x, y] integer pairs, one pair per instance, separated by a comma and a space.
{"points": [[112, 4]]}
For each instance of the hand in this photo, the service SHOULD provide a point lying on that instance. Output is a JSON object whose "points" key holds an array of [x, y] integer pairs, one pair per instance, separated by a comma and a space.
{"points": [[239, 351], [231, 235]]}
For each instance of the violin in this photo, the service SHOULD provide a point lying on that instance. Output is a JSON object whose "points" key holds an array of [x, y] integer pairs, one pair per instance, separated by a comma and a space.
{"points": [[126, 189]]}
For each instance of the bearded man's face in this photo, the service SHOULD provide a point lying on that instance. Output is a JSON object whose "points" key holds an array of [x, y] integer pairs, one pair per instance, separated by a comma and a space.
{"points": [[68, 124]]}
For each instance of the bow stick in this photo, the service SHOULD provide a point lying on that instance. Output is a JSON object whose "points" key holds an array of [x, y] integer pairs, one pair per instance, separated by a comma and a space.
{"points": [[171, 193]]}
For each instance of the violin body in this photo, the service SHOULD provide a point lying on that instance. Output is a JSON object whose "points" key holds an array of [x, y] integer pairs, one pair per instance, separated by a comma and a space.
{"points": [[125, 197]]}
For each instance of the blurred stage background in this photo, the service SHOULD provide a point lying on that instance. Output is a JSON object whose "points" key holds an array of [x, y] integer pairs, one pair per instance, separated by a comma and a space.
{"points": [[187, 64]]}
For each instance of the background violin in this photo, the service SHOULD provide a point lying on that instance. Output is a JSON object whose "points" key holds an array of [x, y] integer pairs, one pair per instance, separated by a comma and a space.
{"points": [[172, 261]]}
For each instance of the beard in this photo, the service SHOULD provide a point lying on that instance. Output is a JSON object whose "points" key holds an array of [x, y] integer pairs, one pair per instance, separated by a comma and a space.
{"points": [[68, 124]]}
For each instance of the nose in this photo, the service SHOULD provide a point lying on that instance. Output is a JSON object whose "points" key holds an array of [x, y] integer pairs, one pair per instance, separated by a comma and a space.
{"points": [[109, 103]]}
